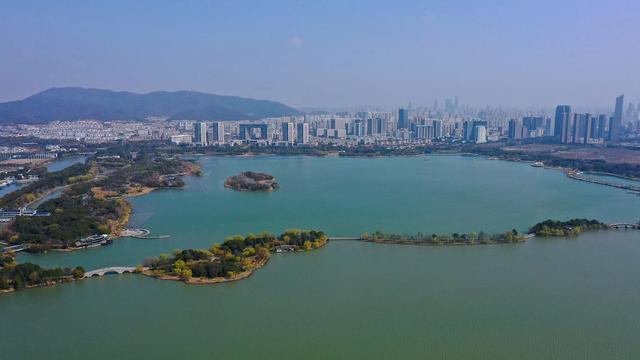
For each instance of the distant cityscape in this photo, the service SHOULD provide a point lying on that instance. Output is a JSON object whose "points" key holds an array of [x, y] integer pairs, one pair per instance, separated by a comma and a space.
{"points": [[405, 126]]}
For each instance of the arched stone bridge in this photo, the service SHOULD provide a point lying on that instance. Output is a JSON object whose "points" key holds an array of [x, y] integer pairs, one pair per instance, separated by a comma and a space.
{"points": [[624, 226], [110, 270]]}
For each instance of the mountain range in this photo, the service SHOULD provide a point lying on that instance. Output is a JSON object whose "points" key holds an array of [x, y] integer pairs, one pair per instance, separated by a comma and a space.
{"points": [[75, 103]]}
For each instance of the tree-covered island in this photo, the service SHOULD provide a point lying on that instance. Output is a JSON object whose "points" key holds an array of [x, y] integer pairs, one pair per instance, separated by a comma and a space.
{"points": [[546, 228], [236, 258], [566, 228], [472, 238], [14, 276], [252, 181]]}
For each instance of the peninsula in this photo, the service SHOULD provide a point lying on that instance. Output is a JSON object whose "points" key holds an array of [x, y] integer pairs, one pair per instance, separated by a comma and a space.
{"points": [[93, 201], [252, 181]]}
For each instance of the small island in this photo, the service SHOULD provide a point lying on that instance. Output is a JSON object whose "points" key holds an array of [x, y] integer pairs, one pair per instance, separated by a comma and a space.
{"points": [[235, 259], [252, 181]]}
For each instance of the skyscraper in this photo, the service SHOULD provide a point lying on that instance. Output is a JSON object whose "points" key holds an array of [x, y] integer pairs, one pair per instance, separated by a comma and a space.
{"points": [[437, 129], [602, 125], [403, 120], [480, 134], [217, 131], [515, 129], [302, 133], [563, 116], [200, 134], [615, 124], [287, 132]]}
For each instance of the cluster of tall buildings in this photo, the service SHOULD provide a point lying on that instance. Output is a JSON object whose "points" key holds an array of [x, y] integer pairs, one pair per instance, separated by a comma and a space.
{"points": [[295, 133], [572, 127], [203, 137], [420, 125], [586, 128], [205, 134]]}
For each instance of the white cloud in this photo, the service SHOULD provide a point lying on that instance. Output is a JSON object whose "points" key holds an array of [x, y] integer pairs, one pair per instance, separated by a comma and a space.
{"points": [[296, 42]]}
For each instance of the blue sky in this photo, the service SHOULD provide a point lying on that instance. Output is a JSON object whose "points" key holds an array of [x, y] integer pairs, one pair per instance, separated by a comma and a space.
{"points": [[329, 53]]}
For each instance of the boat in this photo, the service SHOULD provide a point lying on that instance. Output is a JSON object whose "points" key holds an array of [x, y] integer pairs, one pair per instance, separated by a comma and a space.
{"points": [[538, 164], [94, 240]]}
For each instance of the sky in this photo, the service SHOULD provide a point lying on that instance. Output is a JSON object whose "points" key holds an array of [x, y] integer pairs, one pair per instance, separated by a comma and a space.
{"points": [[516, 53]]}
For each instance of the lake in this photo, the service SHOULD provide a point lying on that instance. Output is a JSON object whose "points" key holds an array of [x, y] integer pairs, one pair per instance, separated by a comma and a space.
{"points": [[570, 298]]}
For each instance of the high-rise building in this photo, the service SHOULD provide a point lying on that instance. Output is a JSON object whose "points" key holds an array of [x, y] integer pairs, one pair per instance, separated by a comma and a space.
{"points": [[248, 131], [437, 129], [424, 131], [217, 131], [631, 109], [370, 126], [480, 132], [359, 128], [467, 130], [515, 129], [588, 126], [302, 133], [403, 119], [533, 122], [576, 130], [615, 125], [200, 134], [563, 117], [602, 126], [381, 125], [287, 132], [548, 128]]}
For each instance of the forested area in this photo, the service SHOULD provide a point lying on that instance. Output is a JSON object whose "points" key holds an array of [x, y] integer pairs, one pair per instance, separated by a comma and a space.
{"points": [[234, 256], [15, 276], [252, 181], [566, 228], [471, 238]]}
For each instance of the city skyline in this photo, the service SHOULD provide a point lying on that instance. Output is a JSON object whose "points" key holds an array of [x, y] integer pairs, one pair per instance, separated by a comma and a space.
{"points": [[332, 55]]}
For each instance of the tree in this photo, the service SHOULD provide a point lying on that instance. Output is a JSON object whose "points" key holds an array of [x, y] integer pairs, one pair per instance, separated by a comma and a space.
{"points": [[78, 272]]}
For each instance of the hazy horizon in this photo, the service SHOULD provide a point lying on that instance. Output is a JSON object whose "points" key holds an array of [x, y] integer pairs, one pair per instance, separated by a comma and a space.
{"points": [[330, 55]]}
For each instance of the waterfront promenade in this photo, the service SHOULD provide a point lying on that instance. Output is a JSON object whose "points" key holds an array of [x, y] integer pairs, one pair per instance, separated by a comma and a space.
{"points": [[580, 177]]}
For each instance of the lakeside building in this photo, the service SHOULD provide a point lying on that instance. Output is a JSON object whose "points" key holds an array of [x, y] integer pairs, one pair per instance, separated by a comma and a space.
{"points": [[480, 134], [615, 124], [302, 133], [287, 132], [253, 131], [403, 119], [217, 132], [200, 134]]}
